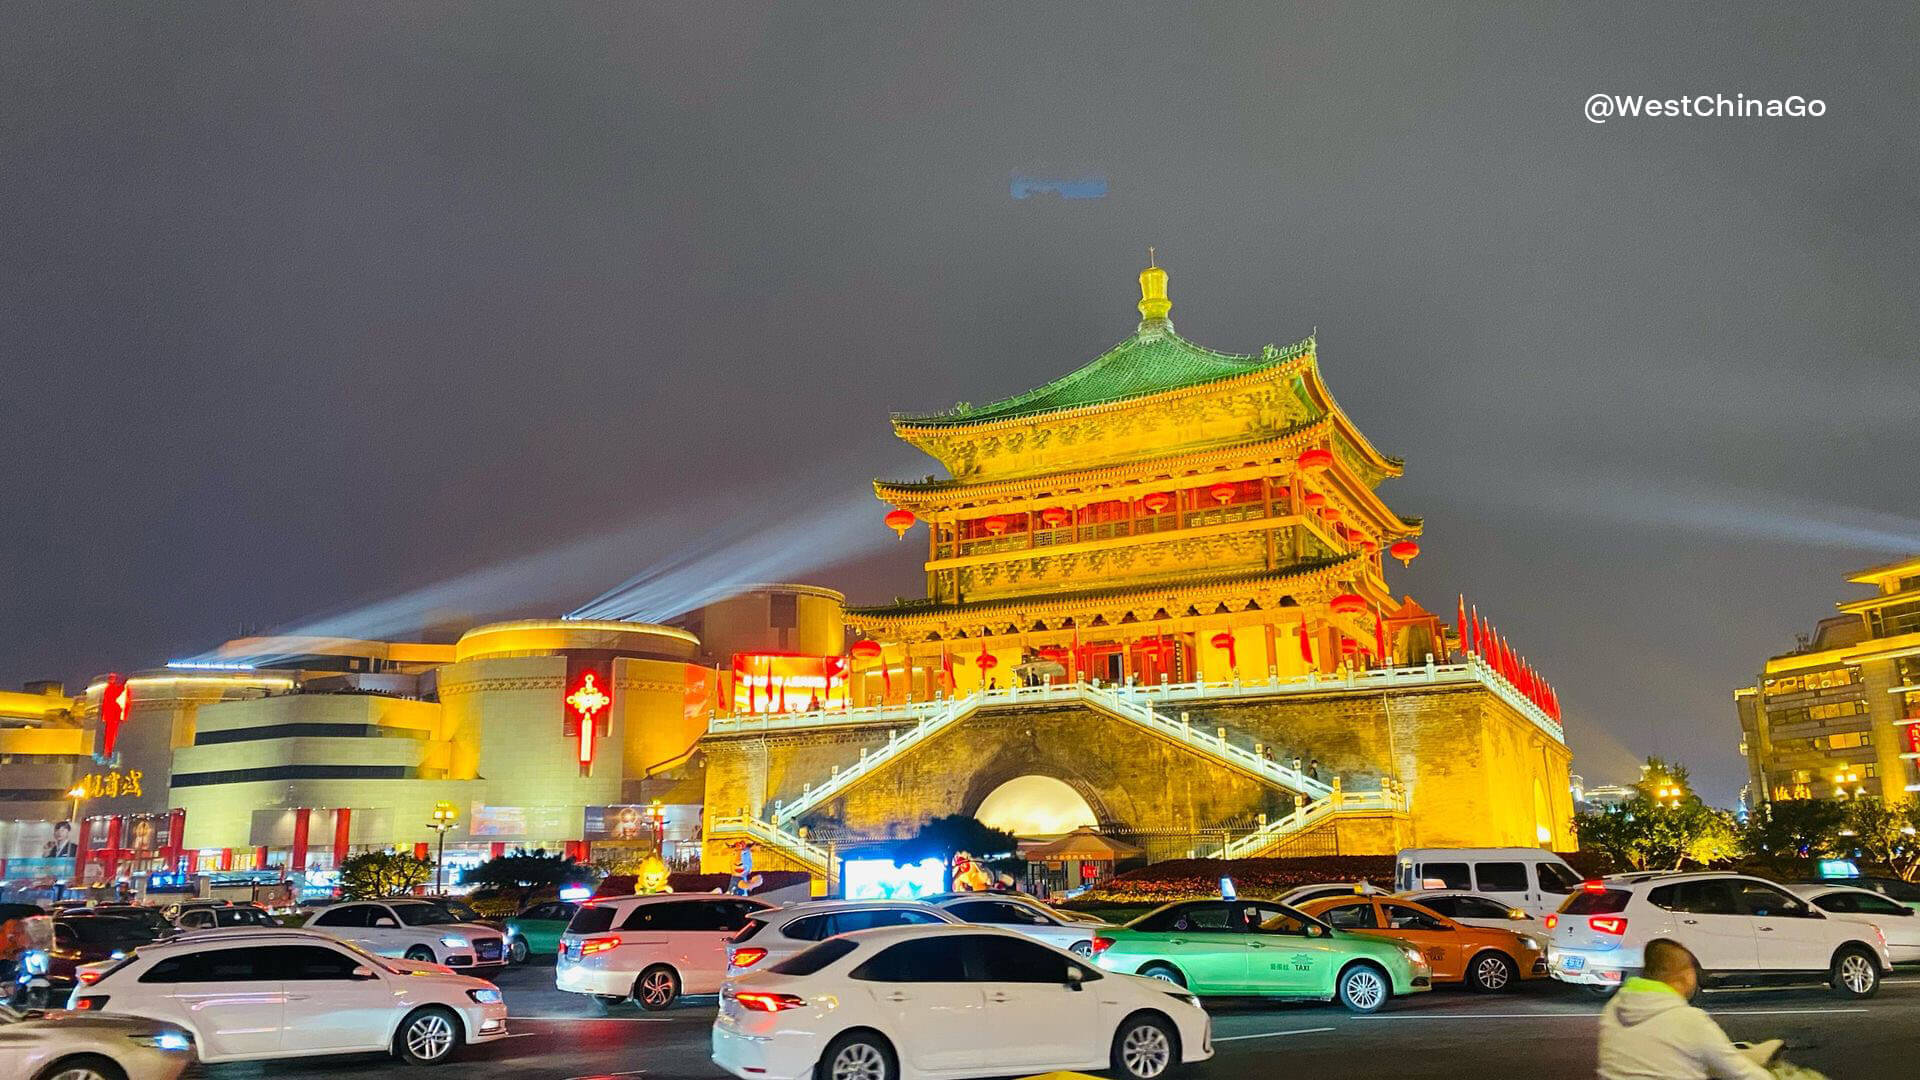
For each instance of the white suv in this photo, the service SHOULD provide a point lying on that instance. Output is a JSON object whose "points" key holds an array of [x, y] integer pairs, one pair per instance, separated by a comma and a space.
{"points": [[418, 930], [771, 936], [1742, 929], [651, 949], [247, 995]]}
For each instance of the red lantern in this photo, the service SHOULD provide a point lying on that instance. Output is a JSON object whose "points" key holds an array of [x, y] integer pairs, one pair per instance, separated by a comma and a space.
{"points": [[1316, 458], [1349, 646], [1314, 498], [1283, 492], [1157, 502], [1056, 516], [996, 525], [900, 521], [1404, 550], [866, 650], [1053, 654], [1349, 604], [1222, 492], [1369, 546], [1331, 513]]}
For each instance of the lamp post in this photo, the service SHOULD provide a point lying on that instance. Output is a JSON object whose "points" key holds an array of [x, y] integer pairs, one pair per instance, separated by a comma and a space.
{"points": [[444, 816], [657, 814]]}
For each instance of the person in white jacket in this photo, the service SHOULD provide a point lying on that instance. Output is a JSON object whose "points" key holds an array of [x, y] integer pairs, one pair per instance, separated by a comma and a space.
{"points": [[1649, 1032]]}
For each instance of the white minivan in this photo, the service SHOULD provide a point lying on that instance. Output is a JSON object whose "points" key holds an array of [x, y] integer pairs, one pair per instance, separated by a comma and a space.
{"points": [[1532, 879]]}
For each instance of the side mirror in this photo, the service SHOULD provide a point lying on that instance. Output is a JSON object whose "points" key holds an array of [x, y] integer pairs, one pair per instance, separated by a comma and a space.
{"points": [[1314, 931], [1075, 977], [364, 972], [1518, 914]]}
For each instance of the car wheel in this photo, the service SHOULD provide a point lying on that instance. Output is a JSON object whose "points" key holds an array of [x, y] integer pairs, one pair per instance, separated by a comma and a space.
{"points": [[420, 954], [427, 1037], [1491, 972], [1601, 990], [83, 1067], [858, 1055], [1364, 988], [1855, 974], [1144, 1047], [517, 951], [657, 988], [1081, 948], [1165, 973]]}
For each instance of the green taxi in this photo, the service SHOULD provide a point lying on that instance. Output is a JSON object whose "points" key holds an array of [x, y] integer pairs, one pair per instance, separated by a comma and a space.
{"points": [[1258, 948], [536, 931]]}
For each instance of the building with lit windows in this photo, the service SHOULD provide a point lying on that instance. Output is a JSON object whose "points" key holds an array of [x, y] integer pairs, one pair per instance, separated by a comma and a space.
{"points": [[1839, 716]]}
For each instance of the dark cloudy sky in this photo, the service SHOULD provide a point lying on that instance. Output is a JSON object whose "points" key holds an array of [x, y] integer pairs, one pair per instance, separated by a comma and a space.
{"points": [[307, 304]]}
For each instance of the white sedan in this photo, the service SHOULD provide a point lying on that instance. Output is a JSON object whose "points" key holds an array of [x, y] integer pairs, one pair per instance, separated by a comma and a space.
{"points": [[417, 930], [1898, 923], [75, 1046], [253, 995], [1023, 916], [907, 1002], [1475, 909]]}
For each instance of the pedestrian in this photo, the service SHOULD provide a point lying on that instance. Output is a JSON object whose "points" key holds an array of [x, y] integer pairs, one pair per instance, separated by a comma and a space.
{"points": [[1313, 769], [1650, 1032]]}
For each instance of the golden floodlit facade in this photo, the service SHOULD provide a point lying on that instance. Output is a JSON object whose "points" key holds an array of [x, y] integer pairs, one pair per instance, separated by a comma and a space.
{"points": [[1156, 607]]}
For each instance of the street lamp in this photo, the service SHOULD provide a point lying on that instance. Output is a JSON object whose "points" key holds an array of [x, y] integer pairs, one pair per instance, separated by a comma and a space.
{"points": [[444, 816], [657, 814]]}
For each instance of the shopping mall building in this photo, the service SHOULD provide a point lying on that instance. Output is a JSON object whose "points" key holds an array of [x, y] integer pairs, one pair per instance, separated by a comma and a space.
{"points": [[1156, 607]]}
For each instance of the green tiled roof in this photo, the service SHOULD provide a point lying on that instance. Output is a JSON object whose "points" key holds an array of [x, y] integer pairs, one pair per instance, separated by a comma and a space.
{"points": [[1152, 361]]}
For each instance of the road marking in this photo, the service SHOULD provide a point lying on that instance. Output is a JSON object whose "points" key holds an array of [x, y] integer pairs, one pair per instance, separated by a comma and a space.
{"points": [[1591, 1015], [1268, 1034], [600, 1019], [603, 1076]]}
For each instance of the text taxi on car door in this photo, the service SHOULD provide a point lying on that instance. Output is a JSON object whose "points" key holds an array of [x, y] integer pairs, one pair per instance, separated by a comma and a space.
{"points": [[1482, 957]]}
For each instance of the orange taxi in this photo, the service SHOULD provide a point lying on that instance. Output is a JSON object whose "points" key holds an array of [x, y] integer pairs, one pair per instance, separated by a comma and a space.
{"points": [[1482, 957]]}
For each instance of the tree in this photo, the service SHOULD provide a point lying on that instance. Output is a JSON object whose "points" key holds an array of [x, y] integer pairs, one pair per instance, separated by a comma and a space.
{"points": [[529, 872], [1663, 826], [1796, 828], [378, 874], [1888, 834], [942, 836]]}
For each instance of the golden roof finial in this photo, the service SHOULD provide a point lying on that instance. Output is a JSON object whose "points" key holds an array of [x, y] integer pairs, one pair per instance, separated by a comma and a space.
{"points": [[1154, 304]]}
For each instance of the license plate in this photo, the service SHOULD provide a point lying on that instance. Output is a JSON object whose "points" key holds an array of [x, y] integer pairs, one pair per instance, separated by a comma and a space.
{"points": [[573, 950], [1572, 963]]}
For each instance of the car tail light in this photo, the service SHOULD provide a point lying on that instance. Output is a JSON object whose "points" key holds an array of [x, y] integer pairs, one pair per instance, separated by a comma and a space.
{"points": [[92, 1003], [1101, 944], [748, 957], [89, 977], [1593, 886], [1608, 924], [599, 944], [761, 1001], [1552, 921]]}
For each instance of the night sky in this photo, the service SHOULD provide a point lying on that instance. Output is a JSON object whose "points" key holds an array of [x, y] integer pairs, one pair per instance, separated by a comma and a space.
{"points": [[307, 305]]}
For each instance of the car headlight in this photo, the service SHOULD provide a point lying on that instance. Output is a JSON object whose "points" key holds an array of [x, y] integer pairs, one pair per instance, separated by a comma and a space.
{"points": [[454, 942], [1188, 998], [166, 1040], [1415, 956], [1530, 942], [486, 996]]}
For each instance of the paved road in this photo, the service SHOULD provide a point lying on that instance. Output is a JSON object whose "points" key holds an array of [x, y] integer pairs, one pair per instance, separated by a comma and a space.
{"points": [[1544, 1032]]}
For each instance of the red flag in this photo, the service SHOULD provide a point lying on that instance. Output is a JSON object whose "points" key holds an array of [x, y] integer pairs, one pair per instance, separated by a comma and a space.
{"points": [[1460, 626], [1306, 642], [1380, 635], [1073, 661], [946, 667], [1480, 637]]}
